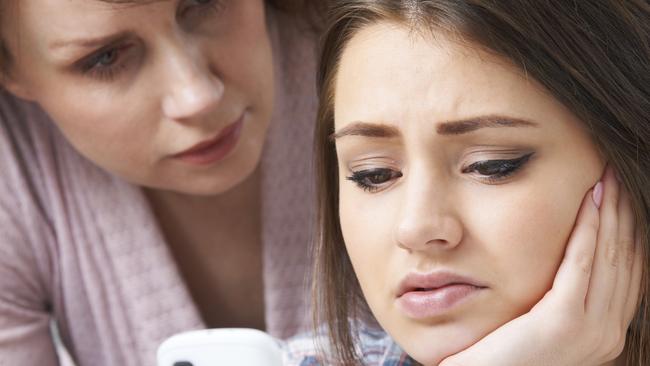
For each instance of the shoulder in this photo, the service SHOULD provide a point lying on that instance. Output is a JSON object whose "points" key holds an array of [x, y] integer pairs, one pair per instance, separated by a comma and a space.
{"points": [[30, 150], [303, 350], [294, 48], [35, 157], [23, 138], [377, 348], [25, 260], [374, 347], [25, 135], [34, 163]]}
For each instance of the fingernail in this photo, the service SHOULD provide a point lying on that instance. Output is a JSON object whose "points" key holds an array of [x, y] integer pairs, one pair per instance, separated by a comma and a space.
{"points": [[597, 194]]}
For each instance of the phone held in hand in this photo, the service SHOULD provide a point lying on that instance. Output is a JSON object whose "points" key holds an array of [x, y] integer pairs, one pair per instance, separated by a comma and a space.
{"points": [[227, 346]]}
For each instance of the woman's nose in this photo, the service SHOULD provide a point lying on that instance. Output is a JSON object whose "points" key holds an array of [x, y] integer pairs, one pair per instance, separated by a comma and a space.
{"points": [[193, 88], [428, 221]]}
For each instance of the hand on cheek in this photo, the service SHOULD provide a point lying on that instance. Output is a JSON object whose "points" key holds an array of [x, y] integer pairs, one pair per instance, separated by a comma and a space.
{"points": [[584, 318]]}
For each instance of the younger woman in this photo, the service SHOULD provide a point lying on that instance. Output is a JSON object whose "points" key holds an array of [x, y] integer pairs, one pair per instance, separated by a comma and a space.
{"points": [[465, 199]]}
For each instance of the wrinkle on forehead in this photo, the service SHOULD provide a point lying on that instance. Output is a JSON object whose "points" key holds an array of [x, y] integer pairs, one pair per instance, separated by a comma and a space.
{"points": [[12, 27]]}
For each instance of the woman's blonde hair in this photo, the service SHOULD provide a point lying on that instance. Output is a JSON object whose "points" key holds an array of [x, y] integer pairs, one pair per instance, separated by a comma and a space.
{"points": [[593, 56]]}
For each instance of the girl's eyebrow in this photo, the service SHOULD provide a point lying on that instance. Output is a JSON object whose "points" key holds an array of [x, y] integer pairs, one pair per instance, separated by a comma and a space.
{"points": [[476, 123], [380, 130], [367, 130]]}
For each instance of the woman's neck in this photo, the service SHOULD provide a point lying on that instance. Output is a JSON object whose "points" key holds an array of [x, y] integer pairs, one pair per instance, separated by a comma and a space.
{"points": [[216, 243]]}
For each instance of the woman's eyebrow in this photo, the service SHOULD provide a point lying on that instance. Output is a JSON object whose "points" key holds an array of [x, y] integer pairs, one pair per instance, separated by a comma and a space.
{"points": [[89, 42], [476, 123]]}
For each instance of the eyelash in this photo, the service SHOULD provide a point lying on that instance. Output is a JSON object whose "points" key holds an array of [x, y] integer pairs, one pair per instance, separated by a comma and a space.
{"points": [[505, 168], [495, 171], [212, 6], [92, 67], [363, 178]]}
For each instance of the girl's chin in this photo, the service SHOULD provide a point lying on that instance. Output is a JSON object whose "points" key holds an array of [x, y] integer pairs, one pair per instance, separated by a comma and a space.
{"points": [[429, 357], [430, 350]]}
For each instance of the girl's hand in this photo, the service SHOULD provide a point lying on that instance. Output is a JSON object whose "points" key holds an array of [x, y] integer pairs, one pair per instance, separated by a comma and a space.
{"points": [[583, 319]]}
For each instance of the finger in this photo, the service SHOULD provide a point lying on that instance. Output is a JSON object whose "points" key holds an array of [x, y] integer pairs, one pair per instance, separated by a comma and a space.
{"points": [[625, 241], [604, 273], [572, 279]]}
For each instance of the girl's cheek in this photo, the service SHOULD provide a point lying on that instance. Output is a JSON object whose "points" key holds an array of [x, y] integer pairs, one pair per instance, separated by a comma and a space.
{"points": [[527, 239]]}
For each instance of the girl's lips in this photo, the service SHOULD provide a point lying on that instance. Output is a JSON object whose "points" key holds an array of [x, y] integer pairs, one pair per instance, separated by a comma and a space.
{"points": [[215, 149], [429, 303], [426, 295]]}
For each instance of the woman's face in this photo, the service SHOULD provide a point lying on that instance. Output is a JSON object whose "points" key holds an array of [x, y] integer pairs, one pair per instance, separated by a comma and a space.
{"points": [[173, 94], [460, 183]]}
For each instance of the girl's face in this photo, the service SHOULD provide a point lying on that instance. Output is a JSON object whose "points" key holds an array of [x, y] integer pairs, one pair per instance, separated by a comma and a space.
{"points": [[172, 94], [460, 183]]}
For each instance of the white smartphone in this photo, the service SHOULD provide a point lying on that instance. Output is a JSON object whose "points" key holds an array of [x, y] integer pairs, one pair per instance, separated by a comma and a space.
{"points": [[215, 347]]}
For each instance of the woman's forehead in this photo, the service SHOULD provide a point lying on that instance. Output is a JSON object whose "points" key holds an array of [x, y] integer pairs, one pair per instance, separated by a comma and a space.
{"points": [[53, 10], [50, 25]]}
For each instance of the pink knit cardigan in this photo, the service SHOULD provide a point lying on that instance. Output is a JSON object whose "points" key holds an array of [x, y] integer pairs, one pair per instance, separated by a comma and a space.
{"points": [[81, 246]]}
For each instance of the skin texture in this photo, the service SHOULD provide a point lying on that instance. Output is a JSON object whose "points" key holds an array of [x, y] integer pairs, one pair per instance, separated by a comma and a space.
{"points": [[508, 234], [168, 83]]}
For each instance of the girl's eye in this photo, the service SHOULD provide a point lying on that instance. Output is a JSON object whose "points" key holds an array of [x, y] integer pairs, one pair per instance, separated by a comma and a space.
{"points": [[372, 179], [496, 170]]}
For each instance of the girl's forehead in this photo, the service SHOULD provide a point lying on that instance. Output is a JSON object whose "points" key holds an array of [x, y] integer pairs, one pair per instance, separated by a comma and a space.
{"points": [[388, 74], [387, 53]]}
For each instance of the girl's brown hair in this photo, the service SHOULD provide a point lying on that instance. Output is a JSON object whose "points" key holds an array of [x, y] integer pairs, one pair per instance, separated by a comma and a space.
{"points": [[593, 56]]}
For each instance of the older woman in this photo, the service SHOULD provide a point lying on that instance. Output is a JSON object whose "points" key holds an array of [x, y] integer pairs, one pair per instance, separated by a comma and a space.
{"points": [[138, 197]]}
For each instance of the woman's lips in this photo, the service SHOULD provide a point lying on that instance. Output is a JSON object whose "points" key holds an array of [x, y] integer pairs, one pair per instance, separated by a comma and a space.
{"points": [[215, 149], [423, 296]]}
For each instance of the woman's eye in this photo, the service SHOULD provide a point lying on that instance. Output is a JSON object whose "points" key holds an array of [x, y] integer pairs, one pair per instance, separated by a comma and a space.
{"points": [[201, 6], [104, 65], [107, 58], [497, 170], [372, 179]]}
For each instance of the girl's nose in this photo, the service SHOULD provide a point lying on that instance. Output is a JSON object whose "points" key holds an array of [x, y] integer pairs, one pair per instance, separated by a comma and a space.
{"points": [[428, 221]]}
